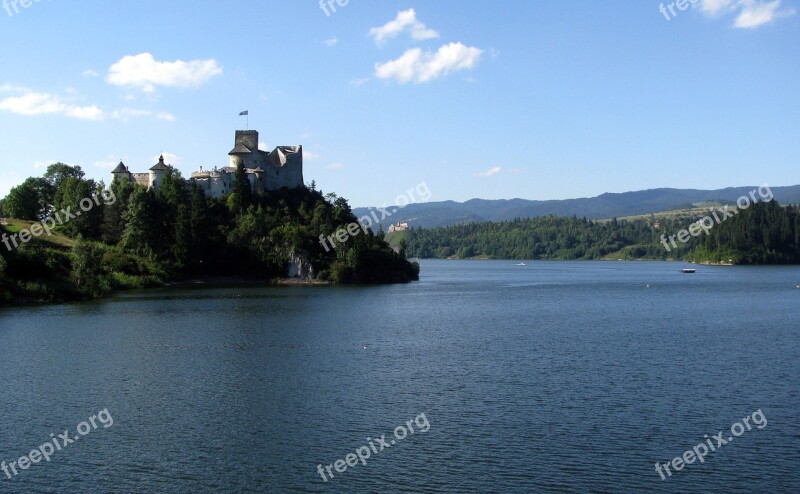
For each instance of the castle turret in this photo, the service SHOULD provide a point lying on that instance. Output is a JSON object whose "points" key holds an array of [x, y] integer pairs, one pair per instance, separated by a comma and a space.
{"points": [[121, 173], [157, 172]]}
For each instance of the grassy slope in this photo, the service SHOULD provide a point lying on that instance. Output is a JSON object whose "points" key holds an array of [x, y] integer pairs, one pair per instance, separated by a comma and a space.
{"points": [[60, 288], [12, 225]]}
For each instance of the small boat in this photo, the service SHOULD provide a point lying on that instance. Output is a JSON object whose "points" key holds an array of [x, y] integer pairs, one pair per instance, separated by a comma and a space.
{"points": [[522, 264], [688, 270]]}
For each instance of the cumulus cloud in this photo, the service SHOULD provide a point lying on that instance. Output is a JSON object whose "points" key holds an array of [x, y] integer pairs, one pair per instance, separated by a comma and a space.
{"points": [[169, 158], [755, 14], [24, 101], [89, 73], [125, 114], [406, 21], [715, 7], [331, 41], [144, 72], [488, 173], [749, 13], [418, 66], [109, 162]]}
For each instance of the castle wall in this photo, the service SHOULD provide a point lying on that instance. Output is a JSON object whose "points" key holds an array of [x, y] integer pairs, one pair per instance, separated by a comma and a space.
{"points": [[283, 167]]}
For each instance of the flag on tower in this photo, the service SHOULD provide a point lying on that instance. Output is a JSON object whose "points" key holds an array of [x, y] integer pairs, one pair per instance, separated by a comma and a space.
{"points": [[244, 113]]}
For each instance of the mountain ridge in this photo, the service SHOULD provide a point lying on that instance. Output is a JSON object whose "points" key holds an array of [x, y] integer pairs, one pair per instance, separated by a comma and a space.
{"points": [[605, 206]]}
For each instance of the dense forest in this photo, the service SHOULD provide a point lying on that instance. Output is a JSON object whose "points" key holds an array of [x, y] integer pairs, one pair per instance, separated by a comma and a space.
{"points": [[129, 236], [764, 233]]}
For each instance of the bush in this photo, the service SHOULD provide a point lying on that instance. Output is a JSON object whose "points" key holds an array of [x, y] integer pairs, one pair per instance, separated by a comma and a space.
{"points": [[117, 262]]}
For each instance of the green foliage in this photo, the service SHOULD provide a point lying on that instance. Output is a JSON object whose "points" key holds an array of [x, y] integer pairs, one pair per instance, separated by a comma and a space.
{"points": [[113, 225], [765, 233], [175, 231], [87, 268], [80, 197], [548, 237], [26, 200], [57, 173], [139, 234], [242, 195]]}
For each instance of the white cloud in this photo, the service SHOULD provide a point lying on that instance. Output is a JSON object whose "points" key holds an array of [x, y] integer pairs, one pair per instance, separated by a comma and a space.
{"points": [[89, 73], [29, 103], [749, 13], [488, 173], [359, 82], [109, 162], [424, 67], [263, 146], [757, 14], [334, 166], [308, 155], [715, 7], [331, 41], [143, 72], [406, 21], [125, 114], [169, 158]]}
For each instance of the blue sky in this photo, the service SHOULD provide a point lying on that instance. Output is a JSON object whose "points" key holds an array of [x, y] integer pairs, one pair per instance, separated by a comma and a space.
{"points": [[539, 100]]}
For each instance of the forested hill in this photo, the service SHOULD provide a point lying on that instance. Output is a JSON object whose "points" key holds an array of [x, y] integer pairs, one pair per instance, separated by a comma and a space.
{"points": [[764, 233], [67, 237], [605, 206]]}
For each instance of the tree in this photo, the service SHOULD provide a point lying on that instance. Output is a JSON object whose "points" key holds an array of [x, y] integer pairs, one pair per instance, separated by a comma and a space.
{"points": [[114, 214], [86, 268], [55, 175], [242, 193], [78, 195], [138, 236], [24, 201], [58, 172]]}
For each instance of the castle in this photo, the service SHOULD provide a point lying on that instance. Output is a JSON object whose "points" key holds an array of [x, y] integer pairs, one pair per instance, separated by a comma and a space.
{"points": [[266, 171]]}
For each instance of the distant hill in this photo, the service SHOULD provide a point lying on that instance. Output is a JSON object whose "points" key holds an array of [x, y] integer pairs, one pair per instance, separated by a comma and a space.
{"points": [[444, 213]]}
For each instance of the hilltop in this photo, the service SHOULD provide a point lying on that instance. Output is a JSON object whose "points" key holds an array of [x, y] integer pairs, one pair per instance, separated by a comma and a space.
{"points": [[604, 206]]}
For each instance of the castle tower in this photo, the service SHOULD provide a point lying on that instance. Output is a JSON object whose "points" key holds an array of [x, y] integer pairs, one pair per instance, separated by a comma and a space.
{"points": [[157, 172], [121, 173], [245, 149], [248, 138]]}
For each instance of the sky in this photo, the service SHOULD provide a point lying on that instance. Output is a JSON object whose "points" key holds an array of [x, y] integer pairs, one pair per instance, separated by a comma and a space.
{"points": [[546, 99]]}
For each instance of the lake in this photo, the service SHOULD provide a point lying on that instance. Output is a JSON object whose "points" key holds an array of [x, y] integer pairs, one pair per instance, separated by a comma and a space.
{"points": [[487, 377]]}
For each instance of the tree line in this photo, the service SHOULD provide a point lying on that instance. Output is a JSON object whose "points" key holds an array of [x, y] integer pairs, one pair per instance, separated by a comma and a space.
{"points": [[175, 231], [765, 233]]}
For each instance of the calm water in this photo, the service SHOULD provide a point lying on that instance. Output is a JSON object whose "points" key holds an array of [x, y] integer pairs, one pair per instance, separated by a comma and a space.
{"points": [[553, 377]]}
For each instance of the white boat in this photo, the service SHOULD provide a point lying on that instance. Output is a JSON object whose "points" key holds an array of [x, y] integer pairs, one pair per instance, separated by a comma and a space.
{"points": [[522, 264], [688, 270]]}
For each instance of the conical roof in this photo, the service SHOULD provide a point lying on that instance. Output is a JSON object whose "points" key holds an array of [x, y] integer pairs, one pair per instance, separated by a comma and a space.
{"points": [[160, 165]]}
